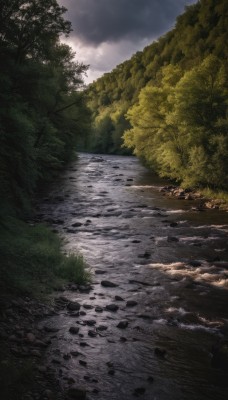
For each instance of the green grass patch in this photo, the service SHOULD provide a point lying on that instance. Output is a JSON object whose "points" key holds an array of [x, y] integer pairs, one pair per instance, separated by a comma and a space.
{"points": [[220, 196], [32, 261]]}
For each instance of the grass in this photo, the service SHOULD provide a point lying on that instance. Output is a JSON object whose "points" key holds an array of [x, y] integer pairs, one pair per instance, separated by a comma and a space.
{"points": [[32, 261], [221, 196]]}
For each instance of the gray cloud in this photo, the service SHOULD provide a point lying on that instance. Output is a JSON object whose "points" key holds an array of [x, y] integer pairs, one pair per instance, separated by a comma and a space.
{"points": [[97, 21], [107, 32]]}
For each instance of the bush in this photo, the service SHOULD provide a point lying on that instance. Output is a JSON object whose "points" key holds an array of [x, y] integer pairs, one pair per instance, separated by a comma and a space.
{"points": [[32, 260]]}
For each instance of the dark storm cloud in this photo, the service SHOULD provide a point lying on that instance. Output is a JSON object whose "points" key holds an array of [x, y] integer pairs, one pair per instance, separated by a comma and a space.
{"points": [[97, 21]]}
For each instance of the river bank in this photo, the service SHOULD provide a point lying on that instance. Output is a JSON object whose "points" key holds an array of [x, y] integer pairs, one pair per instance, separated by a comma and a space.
{"points": [[207, 199]]}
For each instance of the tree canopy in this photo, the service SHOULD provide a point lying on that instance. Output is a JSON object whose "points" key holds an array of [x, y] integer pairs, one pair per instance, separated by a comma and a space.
{"points": [[42, 105]]}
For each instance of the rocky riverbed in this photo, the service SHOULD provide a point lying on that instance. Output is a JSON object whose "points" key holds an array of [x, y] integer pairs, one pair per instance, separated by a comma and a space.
{"points": [[153, 322]]}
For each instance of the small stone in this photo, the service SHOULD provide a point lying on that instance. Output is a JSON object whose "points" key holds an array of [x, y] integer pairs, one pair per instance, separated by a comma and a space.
{"points": [[88, 306], [99, 309], [131, 303], [82, 313], [118, 298], [83, 363], [100, 272], [74, 306], [74, 330], [90, 322], [111, 307], [122, 325], [51, 329], [108, 284], [102, 328], [76, 224], [92, 333]]}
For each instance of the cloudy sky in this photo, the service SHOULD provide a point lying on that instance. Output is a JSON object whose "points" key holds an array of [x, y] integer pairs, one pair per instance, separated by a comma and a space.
{"points": [[107, 32]]}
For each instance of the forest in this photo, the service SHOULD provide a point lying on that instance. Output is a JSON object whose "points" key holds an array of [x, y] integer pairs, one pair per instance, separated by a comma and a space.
{"points": [[42, 106], [168, 103]]}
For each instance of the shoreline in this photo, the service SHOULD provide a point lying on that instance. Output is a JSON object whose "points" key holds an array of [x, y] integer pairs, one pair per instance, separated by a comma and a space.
{"points": [[205, 202]]}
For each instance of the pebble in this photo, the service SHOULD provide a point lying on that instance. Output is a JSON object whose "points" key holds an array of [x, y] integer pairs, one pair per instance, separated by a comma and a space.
{"points": [[73, 306], [108, 284], [74, 330], [131, 303], [90, 322], [111, 307], [99, 309], [122, 325], [118, 298]]}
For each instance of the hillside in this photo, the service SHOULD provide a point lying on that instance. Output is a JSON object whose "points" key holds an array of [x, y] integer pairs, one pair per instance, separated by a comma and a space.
{"points": [[194, 50]]}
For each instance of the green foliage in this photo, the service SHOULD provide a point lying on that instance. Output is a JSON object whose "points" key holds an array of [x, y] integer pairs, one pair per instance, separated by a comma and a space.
{"points": [[180, 128], [43, 111], [32, 260], [172, 99]]}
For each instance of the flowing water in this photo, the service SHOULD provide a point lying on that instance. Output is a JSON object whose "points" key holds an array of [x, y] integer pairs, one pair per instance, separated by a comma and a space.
{"points": [[169, 265]]}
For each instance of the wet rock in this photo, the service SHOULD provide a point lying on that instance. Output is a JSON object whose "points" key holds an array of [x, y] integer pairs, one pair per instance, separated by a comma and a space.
{"points": [[90, 322], [108, 284], [100, 272], [84, 288], [118, 298], [111, 372], [111, 307], [74, 330], [83, 344], [150, 379], [102, 328], [88, 306], [50, 329], [92, 333], [136, 241], [83, 363], [76, 224], [131, 303], [160, 352], [139, 391], [122, 325], [77, 393], [144, 316], [67, 356], [99, 309], [75, 353], [82, 313], [73, 306]]}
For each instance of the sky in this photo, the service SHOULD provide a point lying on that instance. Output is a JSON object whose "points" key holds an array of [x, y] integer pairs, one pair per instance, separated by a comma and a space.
{"points": [[108, 32]]}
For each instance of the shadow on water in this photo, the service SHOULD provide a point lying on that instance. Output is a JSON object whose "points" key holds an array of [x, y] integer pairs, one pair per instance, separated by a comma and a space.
{"points": [[169, 265]]}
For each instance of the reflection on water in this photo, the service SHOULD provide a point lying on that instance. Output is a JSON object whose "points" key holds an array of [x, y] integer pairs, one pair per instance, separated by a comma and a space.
{"points": [[169, 265]]}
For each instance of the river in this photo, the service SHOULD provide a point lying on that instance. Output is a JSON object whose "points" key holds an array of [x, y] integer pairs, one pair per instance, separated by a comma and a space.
{"points": [[170, 267]]}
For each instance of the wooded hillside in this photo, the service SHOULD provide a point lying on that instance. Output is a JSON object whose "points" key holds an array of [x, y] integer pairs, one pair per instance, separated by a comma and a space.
{"points": [[168, 103]]}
